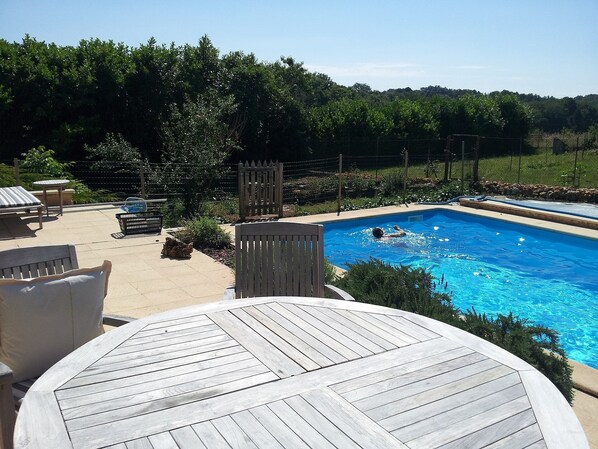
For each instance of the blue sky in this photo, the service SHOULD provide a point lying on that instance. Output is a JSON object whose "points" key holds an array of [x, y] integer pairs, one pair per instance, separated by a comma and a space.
{"points": [[547, 47]]}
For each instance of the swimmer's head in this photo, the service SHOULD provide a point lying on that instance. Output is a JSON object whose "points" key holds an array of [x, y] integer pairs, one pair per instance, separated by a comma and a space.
{"points": [[377, 232]]}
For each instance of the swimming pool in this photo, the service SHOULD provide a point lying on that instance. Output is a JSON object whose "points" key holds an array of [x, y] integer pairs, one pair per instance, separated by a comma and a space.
{"points": [[492, 265]]}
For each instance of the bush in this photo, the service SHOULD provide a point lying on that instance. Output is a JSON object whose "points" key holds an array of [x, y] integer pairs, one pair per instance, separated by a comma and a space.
{"points": [[223, 211], [174, 212], [40, 164], [84, 195], [7, 176], [414, 290], [329, 272], [402, 287], [41, 160], [392, 183], [204, 233]]}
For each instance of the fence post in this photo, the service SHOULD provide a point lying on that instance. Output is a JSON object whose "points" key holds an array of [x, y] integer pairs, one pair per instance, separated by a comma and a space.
{"points": [[240, 174], [142, 179], [519, 169], [476, 160], [447, 158], [340, 183], [17, 173], [406, 151], [377, 155], [462, 166], [279, 185], [575, 164]]}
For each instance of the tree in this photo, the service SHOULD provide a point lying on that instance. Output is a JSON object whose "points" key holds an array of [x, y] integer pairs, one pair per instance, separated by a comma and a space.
{"points": [[251, 84], [199, 68], [197, 141], [517, 117], [346, 126], [412, 120], [479, 114], [150, 88], [349, 118]]}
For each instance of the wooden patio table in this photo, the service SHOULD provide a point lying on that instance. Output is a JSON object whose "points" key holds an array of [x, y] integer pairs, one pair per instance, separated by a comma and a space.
{"points": [[293, 372]]}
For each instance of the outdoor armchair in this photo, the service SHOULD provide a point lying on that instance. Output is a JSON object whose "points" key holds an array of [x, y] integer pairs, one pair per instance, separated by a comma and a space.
{"points": [[34, 284]]}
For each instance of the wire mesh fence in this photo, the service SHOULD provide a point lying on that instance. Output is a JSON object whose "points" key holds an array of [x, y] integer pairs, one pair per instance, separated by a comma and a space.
{"points": [[543, 159], [364, 167]]}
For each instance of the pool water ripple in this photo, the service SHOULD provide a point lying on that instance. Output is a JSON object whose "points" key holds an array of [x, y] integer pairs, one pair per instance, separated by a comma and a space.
{"points": [[491, 265]]}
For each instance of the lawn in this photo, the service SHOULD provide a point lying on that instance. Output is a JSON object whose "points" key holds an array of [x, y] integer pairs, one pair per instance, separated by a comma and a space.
{"points": [[542, 168]]}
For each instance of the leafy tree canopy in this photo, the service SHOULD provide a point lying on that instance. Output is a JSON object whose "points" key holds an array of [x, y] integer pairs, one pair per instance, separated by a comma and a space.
{"points": [[66, 97]]}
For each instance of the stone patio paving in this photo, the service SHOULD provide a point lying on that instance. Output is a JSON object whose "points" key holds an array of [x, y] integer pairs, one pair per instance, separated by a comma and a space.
{"points": [[141, 282]]}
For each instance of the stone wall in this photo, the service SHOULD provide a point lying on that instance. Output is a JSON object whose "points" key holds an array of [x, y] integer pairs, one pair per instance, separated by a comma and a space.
{"points": [[53, 199], [539, 191]]}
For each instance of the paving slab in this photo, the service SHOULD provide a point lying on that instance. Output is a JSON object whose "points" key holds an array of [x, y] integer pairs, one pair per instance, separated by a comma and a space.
{"points": [[142, 282]]}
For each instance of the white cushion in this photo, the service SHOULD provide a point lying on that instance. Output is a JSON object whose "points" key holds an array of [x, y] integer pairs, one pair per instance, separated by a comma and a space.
{"points": [[44, 319]]}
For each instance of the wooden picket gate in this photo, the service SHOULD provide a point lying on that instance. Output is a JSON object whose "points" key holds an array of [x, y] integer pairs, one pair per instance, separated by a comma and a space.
{"points": [[260, 190]]}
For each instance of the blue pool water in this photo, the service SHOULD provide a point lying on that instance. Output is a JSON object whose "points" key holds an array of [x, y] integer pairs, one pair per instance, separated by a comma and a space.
{"points": [[491, 265]]}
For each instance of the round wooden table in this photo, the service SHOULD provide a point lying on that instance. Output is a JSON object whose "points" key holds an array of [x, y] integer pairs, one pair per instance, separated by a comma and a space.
{"points": [[293, 372], [52, 184]]}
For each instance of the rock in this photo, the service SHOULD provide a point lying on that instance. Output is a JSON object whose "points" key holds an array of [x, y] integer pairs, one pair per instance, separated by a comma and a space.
{"points": [[176, 249], [554, 193]]}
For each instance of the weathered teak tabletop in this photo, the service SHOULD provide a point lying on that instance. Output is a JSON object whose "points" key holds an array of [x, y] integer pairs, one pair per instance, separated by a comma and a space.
{"points": [[293, 372]]}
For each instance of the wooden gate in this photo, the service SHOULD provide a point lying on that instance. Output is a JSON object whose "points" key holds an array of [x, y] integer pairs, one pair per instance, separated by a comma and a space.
{"points": [[260, 190]]}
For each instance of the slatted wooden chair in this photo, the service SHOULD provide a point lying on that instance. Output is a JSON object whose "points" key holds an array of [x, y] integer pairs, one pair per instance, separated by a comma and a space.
{"points": [[22, 263], [281, 259]]}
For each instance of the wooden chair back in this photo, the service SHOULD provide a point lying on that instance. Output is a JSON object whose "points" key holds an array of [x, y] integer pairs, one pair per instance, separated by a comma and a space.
{"points": [[279, 259], [21, 263]]}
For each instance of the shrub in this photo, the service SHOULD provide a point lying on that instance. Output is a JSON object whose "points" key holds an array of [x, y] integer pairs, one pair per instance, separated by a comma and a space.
{"points": [[359, 182], [223, 211], [41, 160], [414, 290], [174, 212], [84, 195], [392, 183], [39, 163], [204, 233], [400, 287], [329, 272], [7, 176]]}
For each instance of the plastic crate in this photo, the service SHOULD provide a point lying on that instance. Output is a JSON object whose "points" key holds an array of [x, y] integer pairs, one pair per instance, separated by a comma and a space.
{"points": [[140, 222]]}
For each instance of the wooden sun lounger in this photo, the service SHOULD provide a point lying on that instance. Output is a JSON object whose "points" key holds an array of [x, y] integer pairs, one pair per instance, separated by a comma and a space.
{"points": [[17, 199]]}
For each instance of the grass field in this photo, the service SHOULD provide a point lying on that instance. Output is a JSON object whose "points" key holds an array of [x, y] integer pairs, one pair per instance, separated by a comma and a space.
{"points": [[539, 168], [542, 168]]}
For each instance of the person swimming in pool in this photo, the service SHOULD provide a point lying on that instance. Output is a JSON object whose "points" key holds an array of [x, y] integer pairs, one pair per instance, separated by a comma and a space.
{"points": [[379, 233]]}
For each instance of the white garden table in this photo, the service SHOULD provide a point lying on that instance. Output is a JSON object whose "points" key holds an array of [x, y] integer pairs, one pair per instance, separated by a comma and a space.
{"points": [[52, 184], [293, 372]]}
